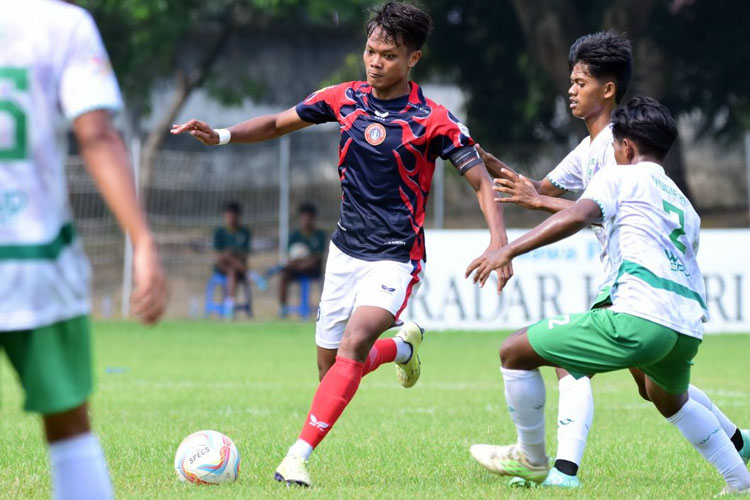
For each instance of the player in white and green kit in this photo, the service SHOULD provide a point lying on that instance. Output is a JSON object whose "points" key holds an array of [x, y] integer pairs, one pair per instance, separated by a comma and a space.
{"points": [[55, 73], [655, 320], [600, 66]]}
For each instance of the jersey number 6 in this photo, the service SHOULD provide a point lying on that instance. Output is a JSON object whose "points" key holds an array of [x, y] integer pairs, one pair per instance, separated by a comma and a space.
{"points": [[18, 148]]}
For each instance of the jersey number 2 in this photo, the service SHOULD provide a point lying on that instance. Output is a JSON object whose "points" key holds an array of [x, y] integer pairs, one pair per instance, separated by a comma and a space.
{"points": [[18, 148], [680, 231]]}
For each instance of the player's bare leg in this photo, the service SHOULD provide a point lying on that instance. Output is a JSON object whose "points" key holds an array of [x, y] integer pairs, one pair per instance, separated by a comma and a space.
{"points": [[740, 437], [702, 429], [326, 359], [79, 470]]}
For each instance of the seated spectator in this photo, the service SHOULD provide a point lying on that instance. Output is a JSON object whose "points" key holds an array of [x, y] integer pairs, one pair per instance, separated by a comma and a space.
{"points": [[232, 245], [305, 252]]}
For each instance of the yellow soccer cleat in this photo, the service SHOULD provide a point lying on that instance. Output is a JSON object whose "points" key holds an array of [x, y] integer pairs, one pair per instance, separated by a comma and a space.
{"points": [[509, 461], [408, 373], [293, 471]]}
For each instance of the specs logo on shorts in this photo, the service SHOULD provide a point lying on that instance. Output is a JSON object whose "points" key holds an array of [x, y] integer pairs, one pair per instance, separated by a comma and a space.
{"points": [[387, 289], [375, 134]]}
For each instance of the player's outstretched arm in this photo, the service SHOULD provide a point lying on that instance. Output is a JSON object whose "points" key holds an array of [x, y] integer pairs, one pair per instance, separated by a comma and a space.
{"points": [[480, 180], [555, 228], [107, 161], [258, 129], [524, 192]]}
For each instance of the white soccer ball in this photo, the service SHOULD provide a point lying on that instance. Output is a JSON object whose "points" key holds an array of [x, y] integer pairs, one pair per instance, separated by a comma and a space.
{"points": [[207, 457], [299, 251]]}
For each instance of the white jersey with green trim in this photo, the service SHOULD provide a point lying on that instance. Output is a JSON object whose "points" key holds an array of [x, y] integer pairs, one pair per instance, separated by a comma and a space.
{"points": [[53, 68], [576, 171], [652, 234]]}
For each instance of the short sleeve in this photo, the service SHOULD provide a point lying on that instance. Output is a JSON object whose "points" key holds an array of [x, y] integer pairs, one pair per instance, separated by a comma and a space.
{"points": [[322, 106], [87, 81], [218, 239], [604, 190], [450, 135], [568, 174]]}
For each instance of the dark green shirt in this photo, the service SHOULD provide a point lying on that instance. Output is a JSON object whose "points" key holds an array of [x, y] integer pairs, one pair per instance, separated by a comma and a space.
{"points": [[316, 241], [236, 242]]}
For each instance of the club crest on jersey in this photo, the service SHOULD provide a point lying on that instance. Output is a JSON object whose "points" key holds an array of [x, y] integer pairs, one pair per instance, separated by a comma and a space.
{"points": [[375, 134]]}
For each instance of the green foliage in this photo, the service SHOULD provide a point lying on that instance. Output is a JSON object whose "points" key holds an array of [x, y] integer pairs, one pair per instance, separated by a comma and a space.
{"points": [[254, 382]]}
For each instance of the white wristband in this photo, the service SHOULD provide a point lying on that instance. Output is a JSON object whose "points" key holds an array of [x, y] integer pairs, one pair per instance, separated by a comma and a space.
{"points": [[224, 136]]}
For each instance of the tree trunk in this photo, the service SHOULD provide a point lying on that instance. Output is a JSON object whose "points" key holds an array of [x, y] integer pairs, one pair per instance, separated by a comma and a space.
{"points": [[184, 86]]}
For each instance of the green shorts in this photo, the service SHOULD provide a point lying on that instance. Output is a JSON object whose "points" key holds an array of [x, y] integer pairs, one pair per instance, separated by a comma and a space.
{"points": [[53, 363], [601, 341]]}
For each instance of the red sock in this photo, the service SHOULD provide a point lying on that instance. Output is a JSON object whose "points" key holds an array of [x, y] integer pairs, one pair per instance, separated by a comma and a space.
{"points": [[384, 351], [334, 392]]}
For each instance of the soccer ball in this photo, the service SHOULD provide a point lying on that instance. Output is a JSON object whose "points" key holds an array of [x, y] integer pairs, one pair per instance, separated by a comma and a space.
{"points": [[207, 457], [299, 251]]}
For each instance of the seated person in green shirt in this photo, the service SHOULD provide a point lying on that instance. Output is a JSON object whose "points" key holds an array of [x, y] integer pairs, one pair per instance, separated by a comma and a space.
{"points": [[232, 245], [305, 252]]}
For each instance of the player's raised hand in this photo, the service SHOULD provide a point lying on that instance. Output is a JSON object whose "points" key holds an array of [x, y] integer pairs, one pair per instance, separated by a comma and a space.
{"points": [[492, 163], [504, 274], [198, 129], [520, 190], [483, 265], [149, 299]]}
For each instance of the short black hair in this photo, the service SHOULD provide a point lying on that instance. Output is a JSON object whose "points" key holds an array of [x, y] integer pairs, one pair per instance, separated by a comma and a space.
{"points": [[606, 54], [647, 123], [233, 206], [308, 208], [407, 22]]}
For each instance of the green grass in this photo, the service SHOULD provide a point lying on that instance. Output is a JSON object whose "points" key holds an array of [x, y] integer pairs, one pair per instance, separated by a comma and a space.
{"points": [[254, 382]]}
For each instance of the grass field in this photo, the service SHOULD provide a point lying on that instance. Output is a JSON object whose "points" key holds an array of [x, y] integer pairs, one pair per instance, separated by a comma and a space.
{"points": [[254, 382]]}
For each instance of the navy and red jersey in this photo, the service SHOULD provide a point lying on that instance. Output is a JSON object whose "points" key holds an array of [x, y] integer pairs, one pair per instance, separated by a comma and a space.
{"points": [[387, 157]]}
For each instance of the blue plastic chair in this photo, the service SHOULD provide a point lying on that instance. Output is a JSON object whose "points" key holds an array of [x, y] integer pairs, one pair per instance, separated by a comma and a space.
{"points": [[212, 306], [303, 308]]}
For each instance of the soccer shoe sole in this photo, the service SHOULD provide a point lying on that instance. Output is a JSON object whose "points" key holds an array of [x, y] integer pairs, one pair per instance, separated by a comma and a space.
{"points": [[492, 458], [408, 373], [289, 482]]}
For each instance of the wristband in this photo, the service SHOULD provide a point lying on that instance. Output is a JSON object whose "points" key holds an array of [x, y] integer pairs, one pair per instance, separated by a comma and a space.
{"points": [[224, 136]]}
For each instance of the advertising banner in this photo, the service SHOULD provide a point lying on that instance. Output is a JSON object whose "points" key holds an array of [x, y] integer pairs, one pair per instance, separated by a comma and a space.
{"points": [[561, 278]]}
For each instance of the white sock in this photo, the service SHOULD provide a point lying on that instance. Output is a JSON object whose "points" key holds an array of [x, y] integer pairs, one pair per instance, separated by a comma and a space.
{"points": [[301, 449], [702, 429], [525, 395], [79, 470], [403, 350], [574, 416], [699, 396]]}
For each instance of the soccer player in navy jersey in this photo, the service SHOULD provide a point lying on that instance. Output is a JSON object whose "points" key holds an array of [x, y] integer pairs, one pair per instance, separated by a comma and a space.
{"points": [[391, 136]]}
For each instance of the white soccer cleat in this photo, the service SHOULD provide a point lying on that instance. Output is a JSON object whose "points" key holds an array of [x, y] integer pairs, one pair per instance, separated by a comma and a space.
{"points": [[293, 471], [509, 461], [729, 491], [408, 373]]}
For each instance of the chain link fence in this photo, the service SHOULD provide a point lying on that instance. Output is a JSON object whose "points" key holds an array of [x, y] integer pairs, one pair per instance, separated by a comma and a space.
{"points": [[187, 191]]}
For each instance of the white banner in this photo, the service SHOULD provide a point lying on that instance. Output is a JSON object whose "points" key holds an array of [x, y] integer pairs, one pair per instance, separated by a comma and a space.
{"points": [[561, 278]]}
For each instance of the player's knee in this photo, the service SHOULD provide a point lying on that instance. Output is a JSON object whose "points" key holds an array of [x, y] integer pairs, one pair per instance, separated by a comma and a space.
{"points": [[508, 353]]}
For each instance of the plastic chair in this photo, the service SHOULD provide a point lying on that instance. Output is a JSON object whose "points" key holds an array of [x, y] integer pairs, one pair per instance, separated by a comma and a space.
{"points": [[212, 306], [303, 308]]}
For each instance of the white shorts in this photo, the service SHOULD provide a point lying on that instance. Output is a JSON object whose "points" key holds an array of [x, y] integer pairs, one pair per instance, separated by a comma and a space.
{"points": [[351, 282]]}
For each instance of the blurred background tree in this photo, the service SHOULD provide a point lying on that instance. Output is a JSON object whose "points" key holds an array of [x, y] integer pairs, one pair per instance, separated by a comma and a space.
{"points": [[509, 57]]}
